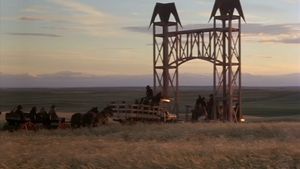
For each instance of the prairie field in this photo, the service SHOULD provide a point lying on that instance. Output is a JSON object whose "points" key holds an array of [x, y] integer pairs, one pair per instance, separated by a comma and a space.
{"points": [[150, 146], [270, 139]]}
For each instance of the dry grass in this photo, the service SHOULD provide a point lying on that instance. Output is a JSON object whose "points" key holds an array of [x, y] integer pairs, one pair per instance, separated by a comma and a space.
{"points": [[214, 145]]}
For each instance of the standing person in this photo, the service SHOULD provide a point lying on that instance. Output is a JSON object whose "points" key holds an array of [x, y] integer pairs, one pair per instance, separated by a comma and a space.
{"points": [[210, 105], [203, 107], [196, 112]]}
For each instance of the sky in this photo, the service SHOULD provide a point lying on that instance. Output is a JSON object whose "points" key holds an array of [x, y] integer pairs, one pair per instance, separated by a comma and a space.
{"points": [[111, 37]]}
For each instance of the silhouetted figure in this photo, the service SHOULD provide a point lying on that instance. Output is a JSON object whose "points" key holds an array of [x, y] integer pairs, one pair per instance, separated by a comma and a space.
{"points": [[91, 118], [33, 114], [203, 107], [14, 118], [156, 99], [196, 111], [43, 117], [219, 111], [20, 113], [88, 119], [210, 105], [149, 92], [52, 113], [76, 120], [200, 108], [104, 115], [54, 120], [149, 96]]}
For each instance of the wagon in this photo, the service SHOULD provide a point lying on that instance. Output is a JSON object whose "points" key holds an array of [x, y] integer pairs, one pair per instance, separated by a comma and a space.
{"points": [[22, 121], [140, 112]]}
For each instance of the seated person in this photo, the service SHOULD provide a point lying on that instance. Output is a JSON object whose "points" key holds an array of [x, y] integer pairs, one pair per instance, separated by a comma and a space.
{"points": [[52, 113]]}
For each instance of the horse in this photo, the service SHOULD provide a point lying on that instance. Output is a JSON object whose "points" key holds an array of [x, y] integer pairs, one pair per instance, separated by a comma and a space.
{"points": [[156, 99], [200, 109], [104, 115], [86, 119], [91, 118]]}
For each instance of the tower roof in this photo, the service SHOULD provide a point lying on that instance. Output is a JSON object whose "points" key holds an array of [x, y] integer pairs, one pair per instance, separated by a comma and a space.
{"points": [[227, 7], [164, 12]]}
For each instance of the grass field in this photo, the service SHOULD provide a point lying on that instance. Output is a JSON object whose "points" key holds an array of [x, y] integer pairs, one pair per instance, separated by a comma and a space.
{"points": [[156, 146], [269, 140]]}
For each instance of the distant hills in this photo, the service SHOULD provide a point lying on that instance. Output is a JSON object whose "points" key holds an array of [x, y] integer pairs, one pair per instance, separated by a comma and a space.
{"points": [[75, 79]]}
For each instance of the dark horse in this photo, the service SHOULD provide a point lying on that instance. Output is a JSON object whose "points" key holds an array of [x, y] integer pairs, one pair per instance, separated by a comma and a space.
{"points": [[153, 101], [91, 118], [156, 99]]}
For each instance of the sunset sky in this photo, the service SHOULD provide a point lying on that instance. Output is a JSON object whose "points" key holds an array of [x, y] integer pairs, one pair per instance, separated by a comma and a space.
{"points": [[110, 37]]}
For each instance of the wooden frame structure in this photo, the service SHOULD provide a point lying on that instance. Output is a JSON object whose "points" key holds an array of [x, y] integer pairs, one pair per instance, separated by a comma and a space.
{"points": [[219, 45]]}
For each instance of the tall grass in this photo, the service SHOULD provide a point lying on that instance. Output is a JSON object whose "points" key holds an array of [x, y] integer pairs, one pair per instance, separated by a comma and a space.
{"points": [[182, 146]]}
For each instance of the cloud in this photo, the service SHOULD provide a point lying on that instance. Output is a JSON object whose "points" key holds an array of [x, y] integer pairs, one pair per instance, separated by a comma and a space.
{"points": [[277, 33], [77, 17], [273, 29], [31, 18], [138, 29], [87, 18], [75, 6], [291, 40], [35, 34]]}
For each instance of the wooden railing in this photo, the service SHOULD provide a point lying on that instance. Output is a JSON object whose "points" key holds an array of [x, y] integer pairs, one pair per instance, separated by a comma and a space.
{"points": [[125, 111]]}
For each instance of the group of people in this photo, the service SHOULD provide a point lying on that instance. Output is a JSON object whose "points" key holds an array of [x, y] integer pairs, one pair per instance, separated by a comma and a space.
{"points": [[17, 115], [203, 108]]}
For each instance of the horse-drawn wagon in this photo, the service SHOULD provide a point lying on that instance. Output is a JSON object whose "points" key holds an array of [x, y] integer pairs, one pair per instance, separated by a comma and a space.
{"points": [[16, 119], [123, 111]]}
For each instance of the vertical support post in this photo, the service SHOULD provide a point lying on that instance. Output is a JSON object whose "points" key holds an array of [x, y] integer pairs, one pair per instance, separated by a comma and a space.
{"points": [[154, 58], [215, 106], [239, 115], [230, 74], [177, 74], [165, 61], [224, 71]]}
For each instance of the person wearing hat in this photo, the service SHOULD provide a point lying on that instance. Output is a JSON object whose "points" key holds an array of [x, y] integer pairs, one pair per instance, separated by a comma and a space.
{"points": [[149, 94], [52, 113], [20, 113]]}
